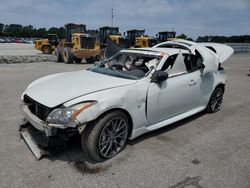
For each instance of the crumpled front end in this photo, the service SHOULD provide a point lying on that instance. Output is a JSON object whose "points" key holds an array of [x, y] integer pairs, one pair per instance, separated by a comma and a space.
{"points": [[39, 134]]}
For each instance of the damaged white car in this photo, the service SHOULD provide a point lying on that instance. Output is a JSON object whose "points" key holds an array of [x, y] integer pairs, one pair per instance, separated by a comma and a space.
{"points": [[133, 92]]}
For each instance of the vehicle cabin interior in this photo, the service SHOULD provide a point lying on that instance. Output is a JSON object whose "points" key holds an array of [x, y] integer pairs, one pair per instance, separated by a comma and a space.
{"points": [[183, 62], [133, 64]]}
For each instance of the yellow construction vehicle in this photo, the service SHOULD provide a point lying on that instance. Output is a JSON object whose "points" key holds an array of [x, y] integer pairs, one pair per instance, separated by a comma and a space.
{"points": [[144, 42], [77, 45], [138, 39], [110, 35], [120, 40], [165, 36], [47, 46]]}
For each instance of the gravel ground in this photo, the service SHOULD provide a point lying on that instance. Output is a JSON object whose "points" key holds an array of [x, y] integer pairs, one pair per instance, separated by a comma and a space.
{"points": [[7, 49], [12, 53], [205, 150]]}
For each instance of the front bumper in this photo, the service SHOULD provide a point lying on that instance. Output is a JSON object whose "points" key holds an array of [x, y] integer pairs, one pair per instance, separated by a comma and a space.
{"points": [[38, 123], [42, 138]]}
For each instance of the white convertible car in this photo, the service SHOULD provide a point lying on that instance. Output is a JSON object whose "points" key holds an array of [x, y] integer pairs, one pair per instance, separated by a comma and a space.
{"points": [[133, 92]]}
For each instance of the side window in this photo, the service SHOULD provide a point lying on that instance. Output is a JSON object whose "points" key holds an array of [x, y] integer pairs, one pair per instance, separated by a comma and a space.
{"points": [[175, 65], [199, 60], [193, 62], [169, 62]]}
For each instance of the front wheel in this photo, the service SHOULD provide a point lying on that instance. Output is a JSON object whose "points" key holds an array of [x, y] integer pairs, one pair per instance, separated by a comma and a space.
{"points": [[46, 49], [67, 55], [106, 137], [215, 100], [58, 53]]}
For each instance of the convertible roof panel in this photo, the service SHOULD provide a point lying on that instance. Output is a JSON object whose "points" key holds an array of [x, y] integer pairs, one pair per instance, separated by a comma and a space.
{"points": [[221, 50]]}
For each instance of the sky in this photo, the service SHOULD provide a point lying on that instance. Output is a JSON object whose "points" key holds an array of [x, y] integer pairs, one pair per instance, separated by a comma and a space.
{"points": [[192, 17]]}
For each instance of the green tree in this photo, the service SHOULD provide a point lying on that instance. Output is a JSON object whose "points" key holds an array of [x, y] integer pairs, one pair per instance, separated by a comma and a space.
{"points": [[59, 31], [27, 31], [41, 33], [13, 30], [182, 36], [190, 39], [1, 29], [204, 39]]}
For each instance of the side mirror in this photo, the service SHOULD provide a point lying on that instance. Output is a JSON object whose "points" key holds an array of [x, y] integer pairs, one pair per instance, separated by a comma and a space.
{"points": [[159, 76]]}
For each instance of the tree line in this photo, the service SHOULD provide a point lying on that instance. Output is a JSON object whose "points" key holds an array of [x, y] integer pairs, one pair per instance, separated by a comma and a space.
{"points": [[17, 30], [224, 39]]}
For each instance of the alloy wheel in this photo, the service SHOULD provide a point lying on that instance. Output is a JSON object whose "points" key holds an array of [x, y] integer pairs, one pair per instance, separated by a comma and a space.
{"points": [[113, 137], [216, 99]]}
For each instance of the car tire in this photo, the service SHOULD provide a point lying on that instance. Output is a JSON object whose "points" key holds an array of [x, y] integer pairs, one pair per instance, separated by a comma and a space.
{"points": [[47, 50], [105, 137], [67, 55], [58, 54], [216, 98]]}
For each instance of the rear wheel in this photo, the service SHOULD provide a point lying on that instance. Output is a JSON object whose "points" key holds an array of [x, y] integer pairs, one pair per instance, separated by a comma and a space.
{"points": [[47, 49], [67, 55], [58, 54], [106, 137], [216, 100]]}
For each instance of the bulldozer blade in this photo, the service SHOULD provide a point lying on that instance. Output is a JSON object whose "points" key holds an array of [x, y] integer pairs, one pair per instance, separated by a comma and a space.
{"points": [[32, 144]]}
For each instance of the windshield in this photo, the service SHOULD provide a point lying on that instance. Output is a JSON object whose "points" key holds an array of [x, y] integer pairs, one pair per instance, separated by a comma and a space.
{"points": [[127, 65]]}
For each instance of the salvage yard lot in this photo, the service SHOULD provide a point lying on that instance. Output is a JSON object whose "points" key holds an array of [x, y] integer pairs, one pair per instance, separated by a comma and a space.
{"points": [[205, 150]]}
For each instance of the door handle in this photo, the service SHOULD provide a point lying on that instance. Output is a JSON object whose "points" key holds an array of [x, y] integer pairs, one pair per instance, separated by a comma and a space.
{"points": [[192, 82]]}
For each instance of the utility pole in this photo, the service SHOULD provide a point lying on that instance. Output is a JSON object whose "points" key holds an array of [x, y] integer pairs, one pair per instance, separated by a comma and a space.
{"points": [[112, 13]]}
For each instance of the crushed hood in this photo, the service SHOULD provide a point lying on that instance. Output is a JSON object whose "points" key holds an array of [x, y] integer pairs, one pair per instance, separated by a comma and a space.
{"points": [[59, 88]]}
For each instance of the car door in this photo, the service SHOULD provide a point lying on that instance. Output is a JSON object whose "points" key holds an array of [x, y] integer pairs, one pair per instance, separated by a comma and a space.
{"points": [[178, 94]]}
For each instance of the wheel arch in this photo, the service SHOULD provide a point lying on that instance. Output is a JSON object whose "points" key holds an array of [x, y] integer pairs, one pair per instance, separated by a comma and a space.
{"points": [[220, 85]]}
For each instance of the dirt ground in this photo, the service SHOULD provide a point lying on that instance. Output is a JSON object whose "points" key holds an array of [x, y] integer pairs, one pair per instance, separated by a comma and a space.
{"points": [[205, 150]]}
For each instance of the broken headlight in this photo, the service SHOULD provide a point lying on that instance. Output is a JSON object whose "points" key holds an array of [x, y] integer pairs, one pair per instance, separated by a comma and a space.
{"points": [[66, 115]]}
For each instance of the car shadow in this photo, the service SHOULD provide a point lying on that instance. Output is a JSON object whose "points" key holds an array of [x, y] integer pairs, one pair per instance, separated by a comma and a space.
{"points": [[71, 151]]}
